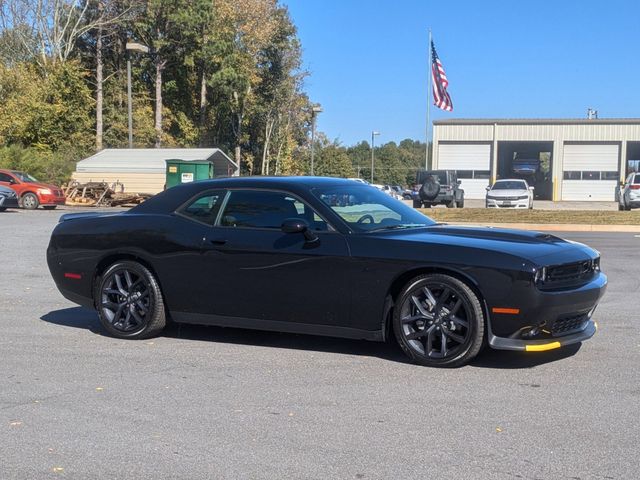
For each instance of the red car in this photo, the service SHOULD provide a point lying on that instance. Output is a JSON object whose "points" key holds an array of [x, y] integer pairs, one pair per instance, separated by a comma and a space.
{"points": [[31, 192]]}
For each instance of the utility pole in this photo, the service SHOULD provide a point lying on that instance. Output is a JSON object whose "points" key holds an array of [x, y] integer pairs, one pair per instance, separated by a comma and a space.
{"points": [[132, 47], [373, 159], [314, 112]]}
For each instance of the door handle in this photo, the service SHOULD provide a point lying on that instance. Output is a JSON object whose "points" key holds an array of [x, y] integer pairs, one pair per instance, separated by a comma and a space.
{"points": [[218, 241]]}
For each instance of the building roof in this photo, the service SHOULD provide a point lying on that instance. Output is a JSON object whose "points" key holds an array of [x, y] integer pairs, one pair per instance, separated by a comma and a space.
{"points": [[538, 121], [152, 160]]}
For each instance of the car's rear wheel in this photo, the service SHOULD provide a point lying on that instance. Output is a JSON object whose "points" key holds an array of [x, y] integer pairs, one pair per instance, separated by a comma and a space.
{"points": [[438, 321], [2, 209], [129, 301], [30, 201]]}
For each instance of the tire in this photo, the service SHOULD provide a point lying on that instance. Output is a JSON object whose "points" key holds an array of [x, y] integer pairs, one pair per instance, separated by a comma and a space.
{"points": [[456, 327], [461, 203], [2, 209], [620, 207], [429, 190], [138, 315], [29, 201], [452, 203], [50, 207], [531, 205], [417, 204]]}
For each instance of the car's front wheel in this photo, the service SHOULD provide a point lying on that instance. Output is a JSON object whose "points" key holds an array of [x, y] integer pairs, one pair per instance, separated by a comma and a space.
{"points": [[438, 321], [129, 301], [30, 201]]}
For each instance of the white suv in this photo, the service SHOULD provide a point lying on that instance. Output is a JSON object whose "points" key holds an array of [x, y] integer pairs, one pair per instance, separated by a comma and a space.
{"points": [[628, 195], [510, 193]]}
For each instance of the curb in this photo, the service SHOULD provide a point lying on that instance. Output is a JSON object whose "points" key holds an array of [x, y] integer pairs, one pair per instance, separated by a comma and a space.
{"points": [[556, 227]]}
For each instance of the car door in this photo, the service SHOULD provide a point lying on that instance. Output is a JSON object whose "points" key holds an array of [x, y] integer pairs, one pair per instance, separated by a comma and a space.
{"points": [[251, 269]]}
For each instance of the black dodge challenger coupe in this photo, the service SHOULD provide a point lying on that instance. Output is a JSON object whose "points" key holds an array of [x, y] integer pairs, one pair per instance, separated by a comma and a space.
{"points": [[325, 256]]}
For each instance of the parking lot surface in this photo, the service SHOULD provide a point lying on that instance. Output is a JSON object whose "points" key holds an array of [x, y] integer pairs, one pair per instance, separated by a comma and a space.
{"points": [[205, 402]]}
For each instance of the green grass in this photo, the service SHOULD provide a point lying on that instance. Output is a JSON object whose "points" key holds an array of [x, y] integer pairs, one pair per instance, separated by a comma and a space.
{"points": [[486, 215]]}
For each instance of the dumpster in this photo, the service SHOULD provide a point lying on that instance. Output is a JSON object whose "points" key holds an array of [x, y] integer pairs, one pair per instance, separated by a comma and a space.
{"points": [[186, 171]]}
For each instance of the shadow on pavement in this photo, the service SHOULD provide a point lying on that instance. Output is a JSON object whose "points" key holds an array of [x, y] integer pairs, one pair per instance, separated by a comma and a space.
{"points": [[79, 317]]}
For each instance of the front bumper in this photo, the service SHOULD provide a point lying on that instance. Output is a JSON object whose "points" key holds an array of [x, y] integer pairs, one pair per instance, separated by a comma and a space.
{"points": [[8, 202], [47, 200], [547, 319], [497, 203], [501, 343]]}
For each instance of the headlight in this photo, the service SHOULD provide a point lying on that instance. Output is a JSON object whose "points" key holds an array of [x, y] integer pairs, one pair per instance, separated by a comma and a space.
{"points": [[596, 264], [44, 191], [489, 197], [540, 275], [523, 197]]}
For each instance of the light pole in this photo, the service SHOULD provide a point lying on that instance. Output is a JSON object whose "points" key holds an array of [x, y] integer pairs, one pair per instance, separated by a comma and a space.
{"points": [[132, 47], [314, 112], [373, 136]]}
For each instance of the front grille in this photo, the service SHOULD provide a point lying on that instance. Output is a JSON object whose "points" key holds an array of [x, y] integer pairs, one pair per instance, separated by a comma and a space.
{"points": [[568, 323], [571, 271]]}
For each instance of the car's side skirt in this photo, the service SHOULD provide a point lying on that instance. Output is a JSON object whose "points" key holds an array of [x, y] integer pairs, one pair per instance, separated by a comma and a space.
{"points": [[277, 326]]}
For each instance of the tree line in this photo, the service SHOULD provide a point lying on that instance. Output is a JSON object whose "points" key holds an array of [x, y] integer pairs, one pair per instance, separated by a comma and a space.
{"points": [[223, 73]]}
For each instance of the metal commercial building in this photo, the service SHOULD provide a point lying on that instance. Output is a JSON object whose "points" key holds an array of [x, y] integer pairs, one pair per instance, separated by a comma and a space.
{"points": [[143, 170], [564, 159]]}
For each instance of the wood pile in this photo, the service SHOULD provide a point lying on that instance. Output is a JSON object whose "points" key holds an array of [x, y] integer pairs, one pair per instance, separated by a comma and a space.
{"points": [[101, 194]]}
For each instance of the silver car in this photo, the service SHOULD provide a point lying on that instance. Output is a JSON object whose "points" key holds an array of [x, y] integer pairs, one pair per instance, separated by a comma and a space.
{"points": [[510, 193], [628, 196]]}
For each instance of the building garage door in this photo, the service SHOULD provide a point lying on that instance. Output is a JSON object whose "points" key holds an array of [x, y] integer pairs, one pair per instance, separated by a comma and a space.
{"points": [[590, 172], [471, 161]]}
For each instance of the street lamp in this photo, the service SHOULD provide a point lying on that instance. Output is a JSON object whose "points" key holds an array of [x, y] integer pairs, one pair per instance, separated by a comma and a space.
{"points": [[132, 47], [314, 112], [373, 135]]}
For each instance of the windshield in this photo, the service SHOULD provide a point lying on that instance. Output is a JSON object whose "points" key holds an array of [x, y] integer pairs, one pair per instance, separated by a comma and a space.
{"points": [[367, 209], [25, 177], [509, 185]]}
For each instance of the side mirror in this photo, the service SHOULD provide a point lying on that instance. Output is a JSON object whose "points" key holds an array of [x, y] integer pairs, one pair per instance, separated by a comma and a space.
{"points": [[459, 182], [298, 225], [532, 188], [487, 188]]}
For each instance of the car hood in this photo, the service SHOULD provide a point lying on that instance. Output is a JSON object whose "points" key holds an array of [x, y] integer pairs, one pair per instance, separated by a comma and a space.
{"points": [[44, 185], [507, 193], [537, 247]]}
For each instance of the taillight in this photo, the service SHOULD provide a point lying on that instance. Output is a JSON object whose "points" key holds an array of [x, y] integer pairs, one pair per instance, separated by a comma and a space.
{"points": [[634, 187]]}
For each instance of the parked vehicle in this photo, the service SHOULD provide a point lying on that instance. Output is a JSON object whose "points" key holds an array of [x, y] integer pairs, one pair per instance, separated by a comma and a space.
{"points": [[32, 193], [509, 193], [325, 256], [411, 193], [8, 198], [438, 187], [628, 194], [394, 190]]}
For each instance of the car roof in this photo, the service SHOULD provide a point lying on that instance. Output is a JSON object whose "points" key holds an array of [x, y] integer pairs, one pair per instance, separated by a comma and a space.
{"points": [[277, 182]]}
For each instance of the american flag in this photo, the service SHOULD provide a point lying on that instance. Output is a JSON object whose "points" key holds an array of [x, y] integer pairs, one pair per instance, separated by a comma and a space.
{"points": [[441, 98]]}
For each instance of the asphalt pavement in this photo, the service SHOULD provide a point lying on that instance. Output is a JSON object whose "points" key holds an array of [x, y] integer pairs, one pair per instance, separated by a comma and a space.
{"points": [[206, 402]]}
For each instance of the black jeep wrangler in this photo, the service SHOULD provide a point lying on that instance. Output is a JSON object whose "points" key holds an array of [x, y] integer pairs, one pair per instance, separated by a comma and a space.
{"points": [[436, 187]]}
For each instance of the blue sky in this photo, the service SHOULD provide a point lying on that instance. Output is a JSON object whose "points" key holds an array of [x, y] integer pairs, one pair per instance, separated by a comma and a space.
{"points": [[368, 60]]}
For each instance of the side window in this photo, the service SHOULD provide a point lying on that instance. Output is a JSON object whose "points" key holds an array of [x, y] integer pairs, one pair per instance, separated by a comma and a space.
{"points": [[5, 178], [204, 208], [264, 209]]}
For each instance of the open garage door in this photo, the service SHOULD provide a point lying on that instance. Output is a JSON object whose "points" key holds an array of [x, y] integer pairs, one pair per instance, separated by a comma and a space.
{"points": [[590, 171], [472, 161]]}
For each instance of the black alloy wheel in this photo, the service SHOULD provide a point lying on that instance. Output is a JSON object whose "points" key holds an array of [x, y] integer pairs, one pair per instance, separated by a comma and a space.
{"points": [[438, 321], [129, 301]]}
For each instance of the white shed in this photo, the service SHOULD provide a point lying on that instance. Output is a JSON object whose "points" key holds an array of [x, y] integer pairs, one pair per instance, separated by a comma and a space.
{"points": [[143, 170]]}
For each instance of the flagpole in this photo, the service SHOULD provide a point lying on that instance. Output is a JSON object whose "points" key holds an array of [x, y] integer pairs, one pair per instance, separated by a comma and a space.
{"points": [[429, 75]]}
